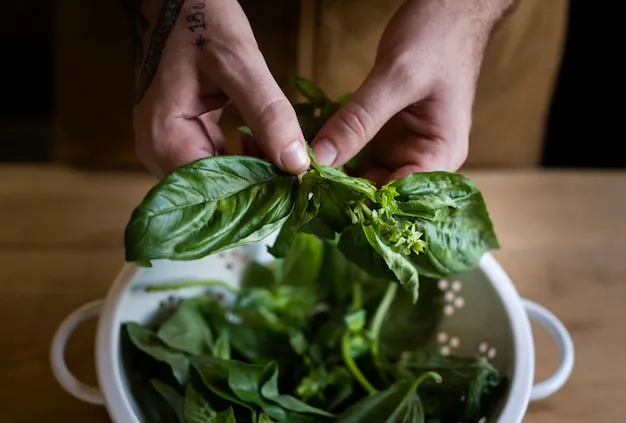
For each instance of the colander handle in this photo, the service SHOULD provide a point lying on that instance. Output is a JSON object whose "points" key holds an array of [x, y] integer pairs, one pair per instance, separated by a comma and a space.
{"points": [[559, 333], [62, 374]]}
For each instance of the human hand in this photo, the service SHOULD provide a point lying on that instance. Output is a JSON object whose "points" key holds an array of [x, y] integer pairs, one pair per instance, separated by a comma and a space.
{"points": [[415, 106], [199, 56]]}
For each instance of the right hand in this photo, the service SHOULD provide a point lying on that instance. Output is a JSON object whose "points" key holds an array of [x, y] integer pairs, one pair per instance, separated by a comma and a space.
{"points": [[209, 58]]}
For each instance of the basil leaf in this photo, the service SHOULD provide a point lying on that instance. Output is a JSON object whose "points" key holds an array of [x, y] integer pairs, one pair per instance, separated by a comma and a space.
{"points": [[264, 418], [355, 246], [196, 407], [226, 416], [428, 206], [269, 390], [246, 380], [147, 341], [308, 89], [304, 211], [399, 403], [215, 374], [408, 326], [171, 396], [362, 244], [252, 341], [455, 244], [210, 205], [257, 275], [187, 330], [302, 263], [471, 384], [338, 275], [378, 407], [346, 187]]}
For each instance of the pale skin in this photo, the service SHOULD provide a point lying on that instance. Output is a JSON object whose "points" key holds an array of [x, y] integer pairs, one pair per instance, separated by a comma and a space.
{"points": [[412, 112]]}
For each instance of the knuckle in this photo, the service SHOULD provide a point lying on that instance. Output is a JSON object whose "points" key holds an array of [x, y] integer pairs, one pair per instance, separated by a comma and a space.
{"points": [[273, 111], [272, 119], [358, 121]]}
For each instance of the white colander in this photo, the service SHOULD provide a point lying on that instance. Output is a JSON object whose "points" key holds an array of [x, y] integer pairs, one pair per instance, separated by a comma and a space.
{"points": [[483, 315]]}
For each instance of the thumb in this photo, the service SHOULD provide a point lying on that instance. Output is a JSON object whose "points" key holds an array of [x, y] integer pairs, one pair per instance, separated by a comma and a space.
{"points": [[267, 111], [359, 120]]}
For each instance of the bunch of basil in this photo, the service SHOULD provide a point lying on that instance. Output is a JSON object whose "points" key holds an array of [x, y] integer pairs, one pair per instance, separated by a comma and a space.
{"points": [[344, 365]]}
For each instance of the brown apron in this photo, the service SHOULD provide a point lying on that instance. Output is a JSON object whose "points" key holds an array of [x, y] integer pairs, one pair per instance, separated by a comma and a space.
{"points": [[332, 41]]}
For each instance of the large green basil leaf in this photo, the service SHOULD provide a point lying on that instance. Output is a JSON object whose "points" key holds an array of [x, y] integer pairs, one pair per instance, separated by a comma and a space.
{"points": [[457, 243], [362, 244], [210, 205]]}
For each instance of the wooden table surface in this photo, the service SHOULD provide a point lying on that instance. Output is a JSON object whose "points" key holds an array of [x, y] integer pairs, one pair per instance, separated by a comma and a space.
{"points": [[563, 237]]}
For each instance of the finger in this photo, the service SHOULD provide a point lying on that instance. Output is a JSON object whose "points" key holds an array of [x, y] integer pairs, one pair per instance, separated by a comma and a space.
{"points": [[179, 142], [382, 95], [210, 126], [246, 79]]}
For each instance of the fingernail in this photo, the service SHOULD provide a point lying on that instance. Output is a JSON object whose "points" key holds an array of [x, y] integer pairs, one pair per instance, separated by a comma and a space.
{"points": [[294, 157], [325, 152]]}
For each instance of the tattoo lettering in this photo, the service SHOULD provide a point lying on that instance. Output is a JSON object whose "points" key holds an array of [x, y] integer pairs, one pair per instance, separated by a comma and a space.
{"points": [[170, 10], [196, 19]]}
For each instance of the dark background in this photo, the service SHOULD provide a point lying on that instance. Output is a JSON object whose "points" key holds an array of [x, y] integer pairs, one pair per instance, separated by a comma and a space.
{"points": [[583, 130]]}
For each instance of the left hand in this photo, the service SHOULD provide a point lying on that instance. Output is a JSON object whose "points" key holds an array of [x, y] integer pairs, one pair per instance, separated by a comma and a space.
{"points": [[415, 106]]}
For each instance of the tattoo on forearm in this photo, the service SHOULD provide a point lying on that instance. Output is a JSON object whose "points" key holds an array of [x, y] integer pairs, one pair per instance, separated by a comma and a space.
{"points": [[170, 10], [196, 21]]}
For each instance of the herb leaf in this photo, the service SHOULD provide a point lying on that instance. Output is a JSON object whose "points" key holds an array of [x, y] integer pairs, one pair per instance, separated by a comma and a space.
{"points": [[147, 341], [196, 407], [210, 205], [187, 330], [471, 378], [309, 89], [398, 403], [304, 211], [171, 396], [455, 244], [363, 245], [269, 390]]}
